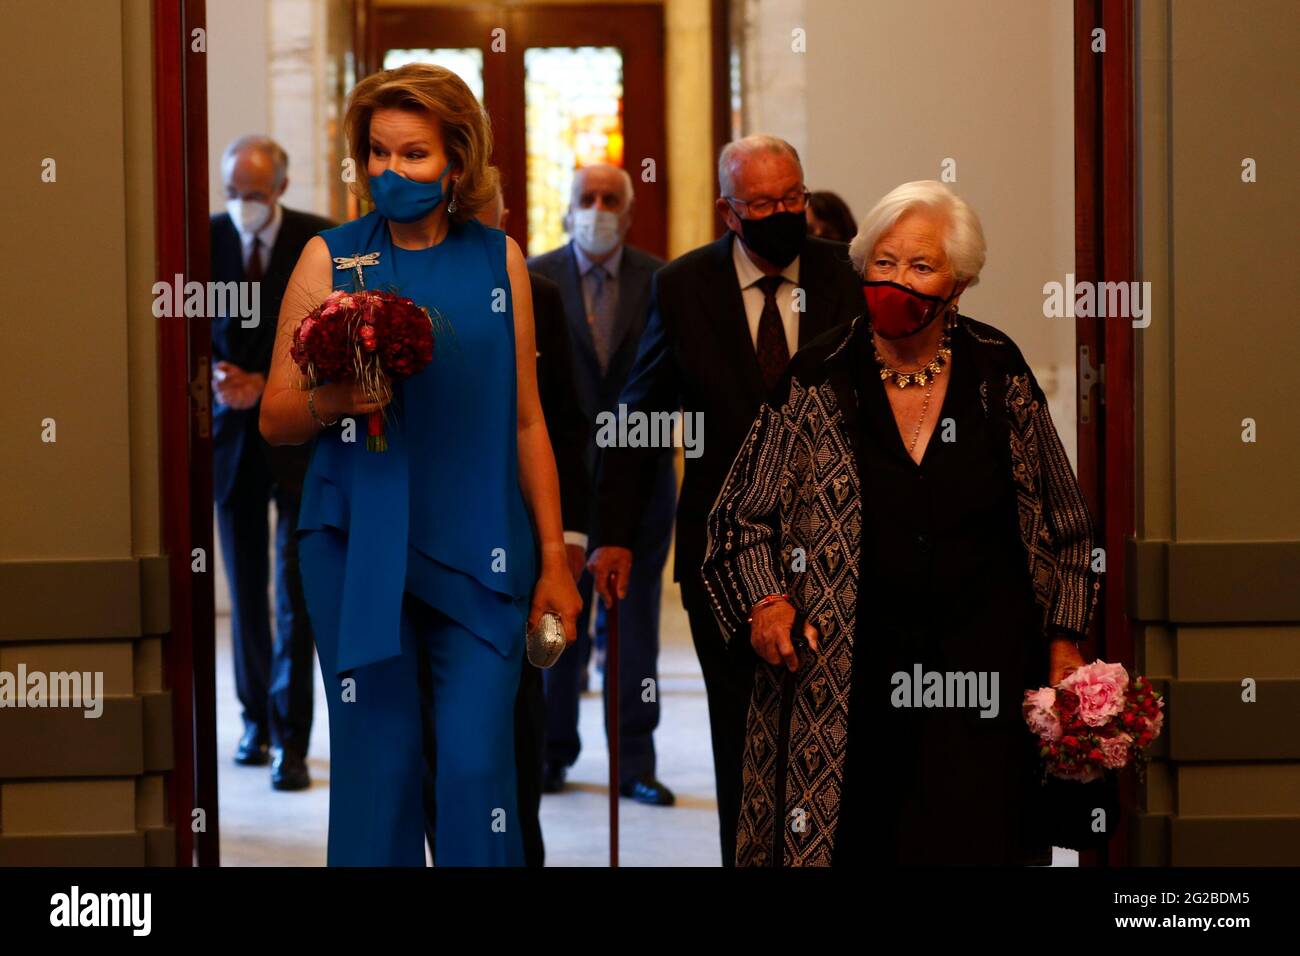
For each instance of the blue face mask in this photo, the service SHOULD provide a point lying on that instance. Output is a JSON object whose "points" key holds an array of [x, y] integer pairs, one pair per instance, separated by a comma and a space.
{"points": [[404, 200]]}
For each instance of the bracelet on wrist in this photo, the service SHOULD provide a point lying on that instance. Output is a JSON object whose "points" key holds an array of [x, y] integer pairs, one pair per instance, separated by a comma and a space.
{"points": [[311, 406], [764, 602]]}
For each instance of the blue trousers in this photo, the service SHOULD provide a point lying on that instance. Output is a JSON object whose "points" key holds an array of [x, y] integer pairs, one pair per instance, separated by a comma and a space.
{"points": [[375, 719]]}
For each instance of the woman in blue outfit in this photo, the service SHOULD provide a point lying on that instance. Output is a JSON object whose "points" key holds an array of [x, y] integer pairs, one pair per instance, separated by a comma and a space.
{"points": [[450, 540]]}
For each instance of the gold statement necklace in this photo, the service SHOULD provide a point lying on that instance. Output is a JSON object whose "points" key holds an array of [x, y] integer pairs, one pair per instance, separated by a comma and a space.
{"points": [[926, 373]]}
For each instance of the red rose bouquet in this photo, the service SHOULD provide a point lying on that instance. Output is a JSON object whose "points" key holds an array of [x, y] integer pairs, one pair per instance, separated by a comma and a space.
{"points": [[1094, 721], [365, 337]]}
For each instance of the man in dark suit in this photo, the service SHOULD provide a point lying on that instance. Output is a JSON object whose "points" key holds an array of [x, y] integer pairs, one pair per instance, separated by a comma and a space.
{"points": [[725, 320], [568, 429], [605, 284], [259, 241]]}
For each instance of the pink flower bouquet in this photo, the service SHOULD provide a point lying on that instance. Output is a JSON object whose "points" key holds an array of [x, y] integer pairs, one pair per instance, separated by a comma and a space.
{"points": [[1093, 721]]}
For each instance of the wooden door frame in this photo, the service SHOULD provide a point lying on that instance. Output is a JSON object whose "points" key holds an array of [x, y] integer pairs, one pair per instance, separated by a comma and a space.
{"points": [[1106, 251], [720, 83], [185, 422], [637, 29]]}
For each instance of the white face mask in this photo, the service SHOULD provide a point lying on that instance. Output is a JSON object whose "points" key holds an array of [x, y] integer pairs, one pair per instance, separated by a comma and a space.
{"points": [[596, 231], [248, 215]]}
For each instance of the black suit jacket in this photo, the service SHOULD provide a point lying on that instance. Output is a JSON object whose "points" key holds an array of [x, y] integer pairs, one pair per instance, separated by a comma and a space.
{"points": [[565, 421], [599, 392], [697, 355], [235, 433]]}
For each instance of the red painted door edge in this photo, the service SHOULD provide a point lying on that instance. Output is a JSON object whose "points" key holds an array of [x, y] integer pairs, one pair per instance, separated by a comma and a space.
{"points": [[181, 232], [1105, 251]]}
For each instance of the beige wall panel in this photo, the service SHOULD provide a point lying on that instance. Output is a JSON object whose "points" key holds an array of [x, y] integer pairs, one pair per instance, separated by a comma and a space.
{"points": [[1217, 81], [82, 514], [70, 498], [114, 659], [148, 665], [1231, 653], [1153, 372], [1235, 92], [1261, 789], [1156, 647], [71, 742], [1159, 793], [150, 801], [141, 265], [67, 806], [56, 600]]}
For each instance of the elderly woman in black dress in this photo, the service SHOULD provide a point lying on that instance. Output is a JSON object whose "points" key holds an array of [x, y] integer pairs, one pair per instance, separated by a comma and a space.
{"points": [[903, 543]]}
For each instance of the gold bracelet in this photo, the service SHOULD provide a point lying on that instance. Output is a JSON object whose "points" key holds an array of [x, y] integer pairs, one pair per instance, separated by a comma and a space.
{"points": [[764, 602], [311, 406]]}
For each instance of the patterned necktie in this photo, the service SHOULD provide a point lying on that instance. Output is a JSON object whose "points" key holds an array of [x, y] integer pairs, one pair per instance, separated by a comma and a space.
{"points": [[601, 320], [771, 348], [253, 271]]}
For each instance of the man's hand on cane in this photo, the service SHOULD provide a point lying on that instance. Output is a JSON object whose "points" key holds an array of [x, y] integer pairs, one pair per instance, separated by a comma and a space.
{"points": [[606, 561]]}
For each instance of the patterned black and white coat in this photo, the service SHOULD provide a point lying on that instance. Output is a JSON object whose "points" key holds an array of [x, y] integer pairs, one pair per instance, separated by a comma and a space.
{"points": [[795, 485]]}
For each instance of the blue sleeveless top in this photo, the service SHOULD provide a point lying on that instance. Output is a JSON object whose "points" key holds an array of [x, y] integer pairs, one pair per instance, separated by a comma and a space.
{"points": [[440, 513]]}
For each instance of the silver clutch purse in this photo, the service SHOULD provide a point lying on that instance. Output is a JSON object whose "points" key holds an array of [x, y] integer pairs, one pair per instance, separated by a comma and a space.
{"points": [[546, 642]]}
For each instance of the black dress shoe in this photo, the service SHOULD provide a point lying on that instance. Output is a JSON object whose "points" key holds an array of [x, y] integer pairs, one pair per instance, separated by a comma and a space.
{"points": [[289, 771], [252, 750], [553, 778], [648, 790]]}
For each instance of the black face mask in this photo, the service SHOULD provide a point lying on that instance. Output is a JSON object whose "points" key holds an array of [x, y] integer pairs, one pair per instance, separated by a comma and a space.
{"points": [[778, 238]]}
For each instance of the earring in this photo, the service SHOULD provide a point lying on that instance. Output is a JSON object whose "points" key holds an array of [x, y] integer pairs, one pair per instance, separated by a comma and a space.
{"points": [[451, 206], [952, 316]]}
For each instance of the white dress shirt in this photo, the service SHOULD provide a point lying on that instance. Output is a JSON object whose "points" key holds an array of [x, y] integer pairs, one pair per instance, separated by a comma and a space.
{"points": [[748, 275], [267, 234]]}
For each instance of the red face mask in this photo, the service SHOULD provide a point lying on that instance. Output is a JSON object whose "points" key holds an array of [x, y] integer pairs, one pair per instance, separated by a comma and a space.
{"points": [[897, 311]]}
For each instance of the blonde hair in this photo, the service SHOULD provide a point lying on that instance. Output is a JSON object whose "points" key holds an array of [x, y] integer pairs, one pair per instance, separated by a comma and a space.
{"points": [[465, 128]]}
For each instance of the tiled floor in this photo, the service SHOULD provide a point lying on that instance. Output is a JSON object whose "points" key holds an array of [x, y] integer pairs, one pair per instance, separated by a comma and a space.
{"points": [[261, 827]]}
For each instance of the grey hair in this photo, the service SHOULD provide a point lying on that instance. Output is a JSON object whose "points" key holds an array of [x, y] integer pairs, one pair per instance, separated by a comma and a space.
{"points": [[623, 175], [739, 149], [963, 241], [273, 151]]}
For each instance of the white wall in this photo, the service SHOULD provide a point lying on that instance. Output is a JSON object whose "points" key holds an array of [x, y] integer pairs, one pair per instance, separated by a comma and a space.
{"points": [[238, 103], [275, 67], [890, 90], [238, 97]]}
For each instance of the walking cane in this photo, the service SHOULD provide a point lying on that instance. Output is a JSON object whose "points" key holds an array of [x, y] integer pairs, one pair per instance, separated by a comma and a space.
{"points": [[611, 717]]}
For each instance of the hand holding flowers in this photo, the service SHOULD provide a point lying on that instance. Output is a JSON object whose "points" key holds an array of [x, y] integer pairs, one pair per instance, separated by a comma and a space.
{"points": [[1094, 720], [358, 342]]}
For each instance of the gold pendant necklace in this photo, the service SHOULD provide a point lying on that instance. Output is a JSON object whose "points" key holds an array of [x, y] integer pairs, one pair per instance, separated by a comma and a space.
{"points": [[925, 407], [926, 374]]}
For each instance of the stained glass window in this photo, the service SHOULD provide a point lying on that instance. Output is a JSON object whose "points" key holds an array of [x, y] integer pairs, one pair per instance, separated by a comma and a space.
{"points": [[573, 100], [465, 63]]}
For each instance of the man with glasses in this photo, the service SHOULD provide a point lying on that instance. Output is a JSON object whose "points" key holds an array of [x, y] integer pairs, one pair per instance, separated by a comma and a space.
{"points": [[724, 321]]}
